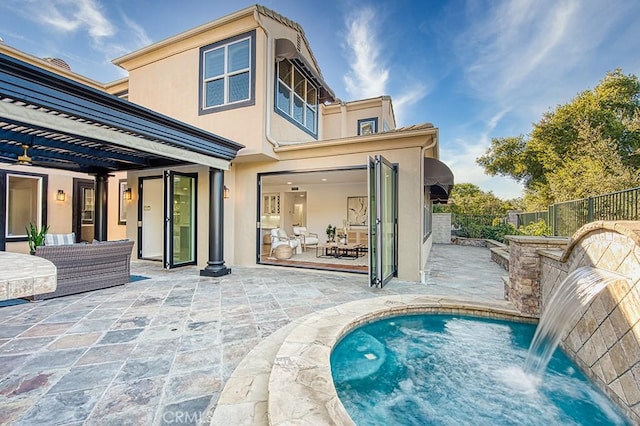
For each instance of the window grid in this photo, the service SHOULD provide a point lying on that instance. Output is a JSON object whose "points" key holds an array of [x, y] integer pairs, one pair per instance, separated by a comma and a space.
{"points": [[226, 75], [291, 102]]}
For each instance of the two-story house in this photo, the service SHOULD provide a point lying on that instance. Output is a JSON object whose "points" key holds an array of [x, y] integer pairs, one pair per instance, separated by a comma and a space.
{"points": [[307, 159]]}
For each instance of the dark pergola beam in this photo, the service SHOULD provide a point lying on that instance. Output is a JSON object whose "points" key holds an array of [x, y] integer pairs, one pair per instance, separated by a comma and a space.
{"points": [[22, 81], [104, 150]]}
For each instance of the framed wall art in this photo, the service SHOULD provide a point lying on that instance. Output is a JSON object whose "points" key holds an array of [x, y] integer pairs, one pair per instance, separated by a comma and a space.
{"points": [[357, 212]]}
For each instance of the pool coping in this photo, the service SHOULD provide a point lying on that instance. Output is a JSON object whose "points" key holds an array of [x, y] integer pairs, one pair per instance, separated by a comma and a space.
{"points": [[301, 389]]}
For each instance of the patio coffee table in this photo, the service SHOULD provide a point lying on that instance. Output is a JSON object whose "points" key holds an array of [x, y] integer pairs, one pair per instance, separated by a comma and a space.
{"points": [[340, 251]]}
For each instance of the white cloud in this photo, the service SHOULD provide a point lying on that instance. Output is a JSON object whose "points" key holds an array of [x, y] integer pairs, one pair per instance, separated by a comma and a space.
{"points": [[518, 54], [522, 58], [71, 16], [407, 99], [461, 157], [368, 75], [140, 37]]}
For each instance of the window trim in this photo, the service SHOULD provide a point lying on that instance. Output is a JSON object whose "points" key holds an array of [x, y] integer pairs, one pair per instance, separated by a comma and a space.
{"points": [[202, 109], [4, 203], [288, 86], [372, 120]]}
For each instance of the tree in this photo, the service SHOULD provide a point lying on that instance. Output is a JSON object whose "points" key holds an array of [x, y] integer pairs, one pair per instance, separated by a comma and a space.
{"points": [[581, 176], [586, 147], [467, 198]]}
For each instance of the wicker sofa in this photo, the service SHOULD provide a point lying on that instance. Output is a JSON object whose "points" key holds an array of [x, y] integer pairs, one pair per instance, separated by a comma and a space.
{"points": [[85, 267]]}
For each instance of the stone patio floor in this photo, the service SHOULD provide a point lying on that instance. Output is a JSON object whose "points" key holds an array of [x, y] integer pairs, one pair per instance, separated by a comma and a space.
{"points": [[159, 351]]}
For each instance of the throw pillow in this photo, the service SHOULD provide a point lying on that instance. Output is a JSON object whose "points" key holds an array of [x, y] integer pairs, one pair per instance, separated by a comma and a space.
{"points": [[59, 239]]}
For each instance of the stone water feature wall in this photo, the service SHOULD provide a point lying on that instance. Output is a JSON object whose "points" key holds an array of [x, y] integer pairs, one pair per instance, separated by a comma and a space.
{"points": [[523, 286], [605, 340]]}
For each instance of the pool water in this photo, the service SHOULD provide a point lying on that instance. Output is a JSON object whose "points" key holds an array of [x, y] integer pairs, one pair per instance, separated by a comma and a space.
{"points": [[452, 370]]}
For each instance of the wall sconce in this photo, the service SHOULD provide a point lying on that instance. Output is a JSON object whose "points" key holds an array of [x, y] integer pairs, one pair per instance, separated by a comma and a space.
{"points": [[226, 192], [126, 195], [60, 196]]}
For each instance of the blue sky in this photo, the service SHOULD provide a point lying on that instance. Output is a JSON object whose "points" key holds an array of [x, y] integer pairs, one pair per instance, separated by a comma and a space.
{"points": [[475, 69]]}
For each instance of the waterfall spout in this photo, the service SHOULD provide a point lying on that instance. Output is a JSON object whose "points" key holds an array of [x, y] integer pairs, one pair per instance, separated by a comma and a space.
{"points": [[575, 292]]}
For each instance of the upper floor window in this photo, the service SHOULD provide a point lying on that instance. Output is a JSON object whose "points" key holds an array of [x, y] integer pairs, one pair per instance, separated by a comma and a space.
{"points": [[296, 97], [227, 71], [367, 126]]}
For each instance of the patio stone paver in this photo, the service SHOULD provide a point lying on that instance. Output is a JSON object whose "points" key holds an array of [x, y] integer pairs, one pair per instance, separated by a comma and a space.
{"points": [[159, 351], [76, 340]]}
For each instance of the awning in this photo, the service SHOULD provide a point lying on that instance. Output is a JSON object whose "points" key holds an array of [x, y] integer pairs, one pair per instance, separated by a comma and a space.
{"points": [[439, 178], [285, 49], [63, 124]]}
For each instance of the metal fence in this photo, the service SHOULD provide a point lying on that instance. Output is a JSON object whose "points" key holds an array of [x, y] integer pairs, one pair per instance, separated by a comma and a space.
{"points": [[465, 220], [531, 217], [567, 217]]}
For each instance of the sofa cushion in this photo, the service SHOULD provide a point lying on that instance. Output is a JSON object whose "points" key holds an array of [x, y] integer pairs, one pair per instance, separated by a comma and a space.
{"points": [[59, 239], [300, 230]]}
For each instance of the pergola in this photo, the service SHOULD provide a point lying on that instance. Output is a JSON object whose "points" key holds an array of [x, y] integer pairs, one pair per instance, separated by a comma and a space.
{"points": [[59, 123]]}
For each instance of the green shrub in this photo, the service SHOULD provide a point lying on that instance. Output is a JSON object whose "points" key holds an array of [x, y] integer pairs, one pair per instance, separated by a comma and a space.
{"points": [[35, 236], [494, 232], [536, 229]]}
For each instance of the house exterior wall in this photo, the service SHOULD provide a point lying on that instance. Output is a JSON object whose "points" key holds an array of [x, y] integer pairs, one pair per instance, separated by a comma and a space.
{"points": [[59, 213], [340, 119], [176, 70], [165, 77], [202, 212], [409, 211]]}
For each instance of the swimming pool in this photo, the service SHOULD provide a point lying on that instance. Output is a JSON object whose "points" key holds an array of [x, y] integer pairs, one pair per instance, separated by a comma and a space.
{"points": [[451, 369]]}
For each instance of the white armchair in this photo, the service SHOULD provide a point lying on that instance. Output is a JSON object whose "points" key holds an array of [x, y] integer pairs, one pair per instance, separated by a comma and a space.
{"points": [[280, 237], [308, 238]]}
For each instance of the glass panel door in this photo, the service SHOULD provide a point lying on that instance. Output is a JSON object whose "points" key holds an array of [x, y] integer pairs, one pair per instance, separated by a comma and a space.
{"points": [[387, 215], [83, 209], [180, 211], [383, 221], [374, 267]]}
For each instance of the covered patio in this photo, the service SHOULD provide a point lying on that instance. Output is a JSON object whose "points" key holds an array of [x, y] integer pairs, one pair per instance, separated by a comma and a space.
{"points": [[52, 122]]}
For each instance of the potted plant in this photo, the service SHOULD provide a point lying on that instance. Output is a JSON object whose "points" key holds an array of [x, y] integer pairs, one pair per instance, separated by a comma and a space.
{"points": [[331, 232], [35, 237]]}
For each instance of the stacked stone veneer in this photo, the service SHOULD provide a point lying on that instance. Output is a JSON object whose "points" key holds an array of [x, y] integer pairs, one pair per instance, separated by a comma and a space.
{"points": [[523, 286], [605, 340], [441, 228]]}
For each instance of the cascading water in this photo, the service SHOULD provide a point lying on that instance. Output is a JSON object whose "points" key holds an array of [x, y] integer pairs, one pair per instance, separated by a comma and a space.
{"points": [[575, 292]]}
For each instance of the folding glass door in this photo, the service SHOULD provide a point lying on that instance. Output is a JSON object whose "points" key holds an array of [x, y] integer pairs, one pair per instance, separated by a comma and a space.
{"points": [[383, 221], [180, 219]]}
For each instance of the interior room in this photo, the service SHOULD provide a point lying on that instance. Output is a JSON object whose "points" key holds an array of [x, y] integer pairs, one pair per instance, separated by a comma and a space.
{"points": [[315, 219]]}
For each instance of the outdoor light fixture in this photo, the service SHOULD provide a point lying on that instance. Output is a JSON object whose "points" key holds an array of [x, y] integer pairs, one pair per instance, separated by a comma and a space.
{"points": [[126, 195], [226, 192], [60, 196]]}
